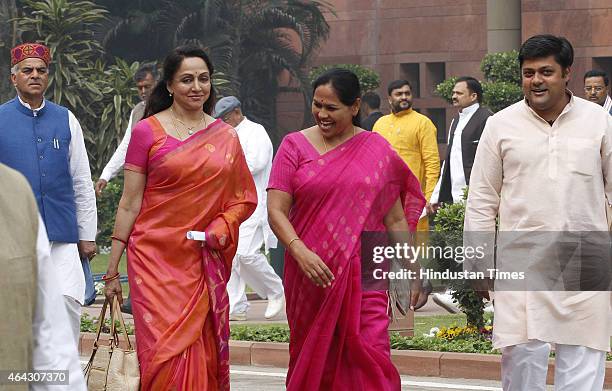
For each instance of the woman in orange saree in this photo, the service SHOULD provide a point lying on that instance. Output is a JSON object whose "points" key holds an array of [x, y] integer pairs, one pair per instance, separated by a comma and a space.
{"points": [[179, 180]]}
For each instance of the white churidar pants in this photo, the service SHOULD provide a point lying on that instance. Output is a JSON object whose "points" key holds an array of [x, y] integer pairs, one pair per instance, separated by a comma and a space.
{"points": [[577, 368], [71, 281], [250, 266]]}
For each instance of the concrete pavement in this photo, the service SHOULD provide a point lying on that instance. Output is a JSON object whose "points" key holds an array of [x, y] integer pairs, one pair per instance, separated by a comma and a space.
{"points": [[256, 312]]}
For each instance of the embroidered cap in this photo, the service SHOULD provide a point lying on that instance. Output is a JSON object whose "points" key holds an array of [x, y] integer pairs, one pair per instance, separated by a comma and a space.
{"points": [[225, 105], [30, 50]]}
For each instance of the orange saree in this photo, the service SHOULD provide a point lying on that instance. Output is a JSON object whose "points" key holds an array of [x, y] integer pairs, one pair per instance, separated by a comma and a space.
{"points": [[177, 286]]}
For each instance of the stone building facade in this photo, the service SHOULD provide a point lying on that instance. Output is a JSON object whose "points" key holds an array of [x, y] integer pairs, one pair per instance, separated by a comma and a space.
{"points": [[426, 41]]}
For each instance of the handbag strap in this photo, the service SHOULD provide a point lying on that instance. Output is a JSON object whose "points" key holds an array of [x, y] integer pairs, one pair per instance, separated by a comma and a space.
{"points": [[116, 315], [95, 344]]}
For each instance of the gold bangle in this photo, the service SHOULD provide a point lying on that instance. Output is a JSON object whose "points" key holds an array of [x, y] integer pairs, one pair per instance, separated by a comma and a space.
{"points": [[293, 240]]}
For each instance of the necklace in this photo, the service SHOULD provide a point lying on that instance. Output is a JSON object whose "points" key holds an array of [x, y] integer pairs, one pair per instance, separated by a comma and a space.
{"points": [[190, 129], [325, 144]]}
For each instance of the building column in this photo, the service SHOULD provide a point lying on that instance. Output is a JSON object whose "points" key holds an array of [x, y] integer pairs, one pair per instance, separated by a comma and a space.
{"points": [[503, 25]]}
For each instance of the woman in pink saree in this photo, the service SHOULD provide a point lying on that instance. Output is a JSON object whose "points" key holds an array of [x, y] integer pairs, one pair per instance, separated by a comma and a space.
{"points": [[184, 171], [329, 183]]}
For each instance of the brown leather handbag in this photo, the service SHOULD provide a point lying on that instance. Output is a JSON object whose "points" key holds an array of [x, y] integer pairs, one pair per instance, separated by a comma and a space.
{"points": [[111, 368]]}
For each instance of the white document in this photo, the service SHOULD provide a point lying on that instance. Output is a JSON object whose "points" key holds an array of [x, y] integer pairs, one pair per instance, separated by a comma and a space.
{"points": [[196, 235]]}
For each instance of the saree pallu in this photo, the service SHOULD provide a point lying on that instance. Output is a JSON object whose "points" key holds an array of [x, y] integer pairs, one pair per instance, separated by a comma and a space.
{"points": [[177, 285], [339, 337]]}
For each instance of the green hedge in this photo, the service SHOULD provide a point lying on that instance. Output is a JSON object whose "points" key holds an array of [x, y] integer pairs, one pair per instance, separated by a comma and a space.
{"points": [[107, 208], [368, 78]]}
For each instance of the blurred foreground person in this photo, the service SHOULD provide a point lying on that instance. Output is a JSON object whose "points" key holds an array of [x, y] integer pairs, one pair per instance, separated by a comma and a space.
{"points": [[35, 330]]}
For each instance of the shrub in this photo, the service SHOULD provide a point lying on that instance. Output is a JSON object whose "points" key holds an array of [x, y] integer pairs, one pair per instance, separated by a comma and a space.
{"points": [[368, 79], [448, 232], [502, 84], [107, 208], [445, 89], [502, 66], [501, 94]]}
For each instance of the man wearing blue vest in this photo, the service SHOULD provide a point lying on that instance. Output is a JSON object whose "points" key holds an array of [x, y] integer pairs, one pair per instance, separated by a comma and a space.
{"points": [[44, 142]]}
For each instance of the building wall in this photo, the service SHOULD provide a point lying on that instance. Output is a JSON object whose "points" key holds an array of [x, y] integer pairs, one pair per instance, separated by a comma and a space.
{"points": [[427, 41], [424, 41], [587, 25]]}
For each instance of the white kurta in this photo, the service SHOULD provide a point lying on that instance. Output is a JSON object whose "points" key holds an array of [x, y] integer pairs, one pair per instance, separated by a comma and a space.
{"points": [[116, 162], [54, 345], [257, 149], [538, 177]]}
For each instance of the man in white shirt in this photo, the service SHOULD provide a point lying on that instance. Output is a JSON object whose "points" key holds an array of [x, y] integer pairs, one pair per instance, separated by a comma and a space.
{"points": [[250, 266], [35, 329], [145, 78], [44, 142], [465, 131]]}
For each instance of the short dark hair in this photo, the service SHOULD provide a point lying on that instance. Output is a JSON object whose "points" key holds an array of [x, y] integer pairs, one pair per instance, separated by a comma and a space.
{"points": [[160, 99], [345, 84], [144, 70], [371, 99], [395, 84], [546, 45], [597, 73], [473, 85]]}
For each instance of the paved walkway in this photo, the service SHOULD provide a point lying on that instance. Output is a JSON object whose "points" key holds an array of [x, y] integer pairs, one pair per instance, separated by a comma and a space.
{"points": [[258, 308], [244, 378]]}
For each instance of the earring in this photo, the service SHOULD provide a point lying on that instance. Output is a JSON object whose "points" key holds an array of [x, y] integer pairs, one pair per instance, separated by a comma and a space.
{"points": [[170, 94]]}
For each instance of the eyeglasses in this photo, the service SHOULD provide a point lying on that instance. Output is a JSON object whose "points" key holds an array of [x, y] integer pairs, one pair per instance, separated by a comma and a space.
{"points": [[596, 89]]}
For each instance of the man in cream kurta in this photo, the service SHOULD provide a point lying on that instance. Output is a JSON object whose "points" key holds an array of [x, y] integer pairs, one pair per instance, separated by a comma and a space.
{"points": [[544, 164]]}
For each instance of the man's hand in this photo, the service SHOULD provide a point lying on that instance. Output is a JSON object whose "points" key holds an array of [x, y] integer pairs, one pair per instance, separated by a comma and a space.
{"points": [[87, 249], [482, 287], [431, 208], [100, 185]]}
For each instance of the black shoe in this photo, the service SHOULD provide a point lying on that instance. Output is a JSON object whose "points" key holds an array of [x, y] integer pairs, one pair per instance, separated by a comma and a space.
{"points": [[126, 307]]}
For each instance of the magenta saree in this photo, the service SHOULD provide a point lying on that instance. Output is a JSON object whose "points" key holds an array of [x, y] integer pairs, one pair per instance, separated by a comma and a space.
{"points": [[339, 337], [178, 287]]}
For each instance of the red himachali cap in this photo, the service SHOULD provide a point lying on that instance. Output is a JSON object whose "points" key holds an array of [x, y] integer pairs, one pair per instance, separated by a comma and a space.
{"points": [[30, 50]]}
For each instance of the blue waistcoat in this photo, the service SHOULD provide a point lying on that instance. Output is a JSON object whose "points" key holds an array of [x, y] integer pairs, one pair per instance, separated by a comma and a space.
{"points": [[37, 145]]}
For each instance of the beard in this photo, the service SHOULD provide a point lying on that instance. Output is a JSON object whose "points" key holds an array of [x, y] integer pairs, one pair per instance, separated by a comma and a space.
{"points": [[397, 106]]}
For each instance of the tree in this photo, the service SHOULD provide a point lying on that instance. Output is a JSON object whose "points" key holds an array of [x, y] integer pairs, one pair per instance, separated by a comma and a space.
{"points": [[501, 86], [8, 39], [369, 80], [252, 42], [101, 97]]}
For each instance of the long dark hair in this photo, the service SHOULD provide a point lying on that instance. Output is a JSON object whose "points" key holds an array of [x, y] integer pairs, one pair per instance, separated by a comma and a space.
{"points": [[346, 85], [160, 99]]}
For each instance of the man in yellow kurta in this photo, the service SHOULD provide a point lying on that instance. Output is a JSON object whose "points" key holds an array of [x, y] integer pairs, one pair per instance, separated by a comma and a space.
{"points": [[542, 169], [413, 136]]}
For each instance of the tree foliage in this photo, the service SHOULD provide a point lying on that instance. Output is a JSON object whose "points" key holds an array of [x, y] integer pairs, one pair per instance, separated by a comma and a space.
{"points": [[252, 42], [368, 78], [100, 95], [501, 86]]}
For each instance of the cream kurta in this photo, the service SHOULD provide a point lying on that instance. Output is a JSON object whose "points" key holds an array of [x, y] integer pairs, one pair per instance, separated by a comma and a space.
{"points": [[538, 177]]}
